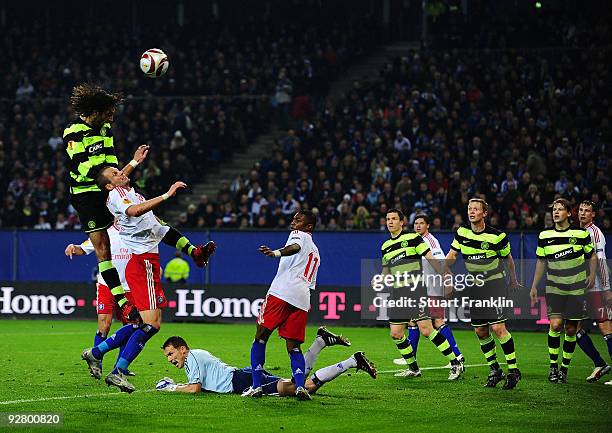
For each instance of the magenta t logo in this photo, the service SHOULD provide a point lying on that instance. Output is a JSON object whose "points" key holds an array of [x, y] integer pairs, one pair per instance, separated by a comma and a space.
{"points": [[332, 302]]}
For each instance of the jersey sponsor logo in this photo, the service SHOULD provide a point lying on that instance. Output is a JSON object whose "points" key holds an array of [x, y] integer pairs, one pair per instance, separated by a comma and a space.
{"points": [[563, 253], [95, 148], [573, 240], [477, 257], [484, 245], [397, 258]]}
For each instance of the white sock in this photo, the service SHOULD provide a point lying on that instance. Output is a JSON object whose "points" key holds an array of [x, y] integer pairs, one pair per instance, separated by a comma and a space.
{"points": [[313, 353], [331, 372]]}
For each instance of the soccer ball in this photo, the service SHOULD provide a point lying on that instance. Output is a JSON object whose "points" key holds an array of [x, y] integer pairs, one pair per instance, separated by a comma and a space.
{"points": [[154, 63]]}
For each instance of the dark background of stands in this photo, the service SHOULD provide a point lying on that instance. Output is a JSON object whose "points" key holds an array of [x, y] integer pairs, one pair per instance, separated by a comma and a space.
{"points": [[509, 102]]}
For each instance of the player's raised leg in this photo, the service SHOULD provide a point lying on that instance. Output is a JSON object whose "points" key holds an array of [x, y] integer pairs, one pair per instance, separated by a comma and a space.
{"points": [[200, 254], [101, 243], [323, 339], [324, 375]]}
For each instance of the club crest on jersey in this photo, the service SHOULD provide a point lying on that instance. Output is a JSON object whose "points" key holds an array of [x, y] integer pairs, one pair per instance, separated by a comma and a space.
{"points": [[404, 244], [91, 224], [484, 245], [126, 201], [573, 240]]}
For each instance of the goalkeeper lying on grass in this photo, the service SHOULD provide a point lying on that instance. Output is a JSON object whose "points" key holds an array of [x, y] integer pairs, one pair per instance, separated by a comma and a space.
{"points": [[206, 372]]}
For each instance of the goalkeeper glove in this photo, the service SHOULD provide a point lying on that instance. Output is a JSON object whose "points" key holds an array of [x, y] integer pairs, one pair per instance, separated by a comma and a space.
{"points": [[166, 384]]}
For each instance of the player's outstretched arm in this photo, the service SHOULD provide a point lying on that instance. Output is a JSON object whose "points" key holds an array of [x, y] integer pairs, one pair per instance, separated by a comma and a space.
{"points": [[146, 206], [168, 385], [286, 251], [139, 156], [74, 250]]}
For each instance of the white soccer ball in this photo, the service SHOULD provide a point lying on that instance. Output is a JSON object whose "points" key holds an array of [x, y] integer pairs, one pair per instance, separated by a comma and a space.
{"points": [[154, 63]]}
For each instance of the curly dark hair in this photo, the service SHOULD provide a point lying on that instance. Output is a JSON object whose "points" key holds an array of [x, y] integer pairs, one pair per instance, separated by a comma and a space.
{"points": [[87, 99]]}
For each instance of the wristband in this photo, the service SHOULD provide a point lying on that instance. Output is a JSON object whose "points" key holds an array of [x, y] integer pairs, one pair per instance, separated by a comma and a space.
{"points": [[277, 253], [165, 196], [133, 163]]}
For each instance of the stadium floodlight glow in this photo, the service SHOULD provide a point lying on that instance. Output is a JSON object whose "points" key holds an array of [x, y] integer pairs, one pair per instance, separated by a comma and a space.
{"points": [[538, 5]]}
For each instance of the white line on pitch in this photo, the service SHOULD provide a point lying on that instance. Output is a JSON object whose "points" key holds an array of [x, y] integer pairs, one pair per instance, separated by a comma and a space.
{"points": [[438, 368], [68, 397]]}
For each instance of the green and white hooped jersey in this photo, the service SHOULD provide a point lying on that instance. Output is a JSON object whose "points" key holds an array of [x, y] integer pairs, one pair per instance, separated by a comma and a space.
{"points": [[482, 251], [565, 252], [403, 253], [88, 151]]}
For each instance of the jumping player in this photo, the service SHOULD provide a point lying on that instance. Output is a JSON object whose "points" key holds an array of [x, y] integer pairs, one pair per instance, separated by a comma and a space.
{"points": [[88, 141], [141, 232]]}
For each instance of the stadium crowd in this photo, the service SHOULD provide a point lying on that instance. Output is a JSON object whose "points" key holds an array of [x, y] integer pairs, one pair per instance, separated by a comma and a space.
{"points": [[224, 88], [518, 127]]}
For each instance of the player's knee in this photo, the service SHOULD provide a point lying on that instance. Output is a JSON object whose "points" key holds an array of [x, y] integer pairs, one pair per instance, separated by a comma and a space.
{"points": [[482, 332], [426, 331], [499, 330], [397, 335], [556, 325], [570, 329], [104, 324]]}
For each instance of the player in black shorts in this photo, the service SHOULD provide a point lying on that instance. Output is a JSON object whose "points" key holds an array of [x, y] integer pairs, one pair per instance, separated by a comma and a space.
{"points": [[483, 248], [563, 253]]}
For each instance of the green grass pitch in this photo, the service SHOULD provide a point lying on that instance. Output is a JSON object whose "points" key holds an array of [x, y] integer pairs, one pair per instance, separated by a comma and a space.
{"points": [[42, 372]]}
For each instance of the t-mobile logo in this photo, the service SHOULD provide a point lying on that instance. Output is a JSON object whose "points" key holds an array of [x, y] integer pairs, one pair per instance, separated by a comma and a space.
{"points": [[332, 302]]}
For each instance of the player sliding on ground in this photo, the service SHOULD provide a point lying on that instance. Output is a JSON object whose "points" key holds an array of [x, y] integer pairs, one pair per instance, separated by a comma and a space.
{"points": [[141, 232], [401, 255], [287, 302], [205, 372]]}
